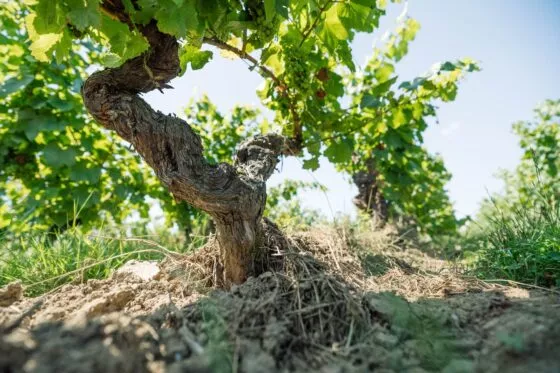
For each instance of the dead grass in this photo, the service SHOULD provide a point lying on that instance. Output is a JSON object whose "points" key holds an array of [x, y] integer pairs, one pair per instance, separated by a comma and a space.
{"points": [[317, 308]]}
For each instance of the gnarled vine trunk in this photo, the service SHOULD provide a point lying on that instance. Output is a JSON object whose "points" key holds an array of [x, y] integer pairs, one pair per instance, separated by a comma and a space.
{"points": [[234, 195], [370, 198]]}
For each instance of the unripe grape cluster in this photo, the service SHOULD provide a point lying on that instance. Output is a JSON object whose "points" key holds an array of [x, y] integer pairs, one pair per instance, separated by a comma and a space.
{"points": [[265, 30], [297, 73]]}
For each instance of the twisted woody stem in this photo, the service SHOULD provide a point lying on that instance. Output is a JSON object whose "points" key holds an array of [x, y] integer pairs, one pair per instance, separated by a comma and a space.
{"points": [[234, 195]]}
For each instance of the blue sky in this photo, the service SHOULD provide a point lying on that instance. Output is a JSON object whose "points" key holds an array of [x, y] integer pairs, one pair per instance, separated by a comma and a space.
{"points": [[518, 45]]}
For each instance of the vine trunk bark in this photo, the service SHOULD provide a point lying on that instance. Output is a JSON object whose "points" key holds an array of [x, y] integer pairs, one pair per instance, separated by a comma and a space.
{"points": [[234, 195], [370, 198]]}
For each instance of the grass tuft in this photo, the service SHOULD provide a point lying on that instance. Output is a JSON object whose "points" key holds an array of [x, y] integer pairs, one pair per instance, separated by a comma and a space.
{"points": [[522, 243], [42, 264]]}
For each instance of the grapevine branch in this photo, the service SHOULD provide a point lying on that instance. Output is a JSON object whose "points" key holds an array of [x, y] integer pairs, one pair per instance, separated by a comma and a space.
{"points": [[298, 134], [298, 137], [116, 10], [242, 54], [314, 24]]}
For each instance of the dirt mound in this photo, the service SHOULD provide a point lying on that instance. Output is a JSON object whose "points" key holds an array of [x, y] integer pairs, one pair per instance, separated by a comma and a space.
{"points": [[321, 312]]}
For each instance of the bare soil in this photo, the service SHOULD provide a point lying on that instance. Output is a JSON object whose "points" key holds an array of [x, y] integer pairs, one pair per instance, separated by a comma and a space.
{"points": [[336, 305]]}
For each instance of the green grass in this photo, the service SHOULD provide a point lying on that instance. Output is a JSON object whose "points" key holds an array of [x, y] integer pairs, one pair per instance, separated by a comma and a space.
{"points": [[522, 244], [43, 264]]}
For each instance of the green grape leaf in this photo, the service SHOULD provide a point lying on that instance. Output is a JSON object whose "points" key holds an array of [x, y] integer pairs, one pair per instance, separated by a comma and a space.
{"points": [[311, 164], [314, 148], [333, 25], [15, 84], [176, 19], [393, 140], [416, 83], [124, 43], [334, 85], [383, 72], [49, 18], [111, 60], [269, 9], [44, 44], [56, 157], [81, 172], [84, 13], [271, 58], [282, 7], [195, 57], [398, 119], [148, 9], [448, 66], [62, 105], [370, 102], [333, 30], [381, 88], [361, 15], [339, 151], [63, 47]]}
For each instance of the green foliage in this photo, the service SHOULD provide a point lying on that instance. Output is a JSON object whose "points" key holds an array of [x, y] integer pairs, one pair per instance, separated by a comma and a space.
{"points": [[537, 173], [305, 56], [540, 142], [283, 208], [43, 265], [301, 42], [522, 244], [57, 166], [392, 121], [423, 324], [519, 230]]}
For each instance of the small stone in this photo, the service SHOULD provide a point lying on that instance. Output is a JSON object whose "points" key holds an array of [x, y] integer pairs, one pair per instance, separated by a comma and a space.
{"points": [[114, 301], [143, 270], [11, 293]]}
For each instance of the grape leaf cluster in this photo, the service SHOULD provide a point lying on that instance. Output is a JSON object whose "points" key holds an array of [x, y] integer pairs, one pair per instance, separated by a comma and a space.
{"points": [[303, 51]]}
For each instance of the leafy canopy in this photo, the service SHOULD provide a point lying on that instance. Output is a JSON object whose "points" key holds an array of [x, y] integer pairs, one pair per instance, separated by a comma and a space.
{"points": [[54, 161], [303, 51], [536, 179], [58, 167], [386, 123], [299, 43], [520, 228]]}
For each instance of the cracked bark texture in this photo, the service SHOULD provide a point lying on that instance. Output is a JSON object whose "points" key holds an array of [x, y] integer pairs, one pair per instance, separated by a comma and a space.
{"points": [[369, 197], [234, 195]]}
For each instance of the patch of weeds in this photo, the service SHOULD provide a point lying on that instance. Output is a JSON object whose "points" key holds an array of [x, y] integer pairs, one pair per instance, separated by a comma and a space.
{"points": [[375, 264], [419, 328], [218, 349], [522, 244], [43, 264]]}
